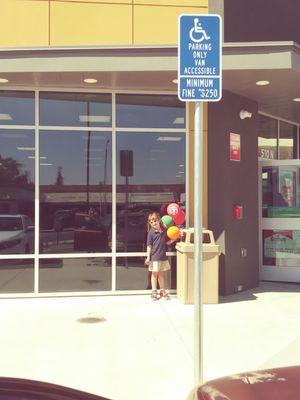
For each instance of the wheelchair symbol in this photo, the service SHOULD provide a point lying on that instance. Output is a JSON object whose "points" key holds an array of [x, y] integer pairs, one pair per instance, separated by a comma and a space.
{"points": [[197, 34]]}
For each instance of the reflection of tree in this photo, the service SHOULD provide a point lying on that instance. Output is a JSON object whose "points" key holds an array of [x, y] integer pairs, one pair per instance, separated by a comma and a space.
{"points": [[59, 178], [11, 173]]}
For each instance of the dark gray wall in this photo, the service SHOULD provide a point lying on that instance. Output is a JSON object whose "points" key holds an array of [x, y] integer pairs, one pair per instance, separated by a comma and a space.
{"points": [[232, 182], [261, 20]]}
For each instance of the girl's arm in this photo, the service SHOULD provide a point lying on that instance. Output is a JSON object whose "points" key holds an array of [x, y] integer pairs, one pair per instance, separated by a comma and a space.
{"points": [[148, 255], [171, 241]]}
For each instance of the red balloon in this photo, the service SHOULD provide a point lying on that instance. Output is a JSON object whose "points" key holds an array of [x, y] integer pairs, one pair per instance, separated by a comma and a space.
{"points": [[173, 209], [179, 218], [163, 209]]}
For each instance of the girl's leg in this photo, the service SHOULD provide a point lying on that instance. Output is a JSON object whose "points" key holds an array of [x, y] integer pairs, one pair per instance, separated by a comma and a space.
{"points": [[161, 279], [154, 280], [154, 285]]}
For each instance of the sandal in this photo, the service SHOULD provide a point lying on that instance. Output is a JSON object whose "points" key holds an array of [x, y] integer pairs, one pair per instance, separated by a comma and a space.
{"points": [[163, 293], [154, 295]]}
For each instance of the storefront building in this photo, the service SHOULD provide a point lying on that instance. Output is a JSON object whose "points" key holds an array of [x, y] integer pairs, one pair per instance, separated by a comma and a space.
{"points": [[93, 137]]}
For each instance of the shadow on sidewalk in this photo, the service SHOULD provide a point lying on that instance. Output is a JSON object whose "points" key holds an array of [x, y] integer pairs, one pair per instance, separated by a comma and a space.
{"points": [[264, 287]]}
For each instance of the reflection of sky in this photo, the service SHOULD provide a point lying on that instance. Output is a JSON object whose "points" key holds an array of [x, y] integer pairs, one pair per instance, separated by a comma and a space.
{"points": [[68, 149], [154, 162], [139, 116], [10, 140], [63, 112], [20, 109]]}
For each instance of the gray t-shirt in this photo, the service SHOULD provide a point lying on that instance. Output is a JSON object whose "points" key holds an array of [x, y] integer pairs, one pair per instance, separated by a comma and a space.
{"points": [[158, 241]]}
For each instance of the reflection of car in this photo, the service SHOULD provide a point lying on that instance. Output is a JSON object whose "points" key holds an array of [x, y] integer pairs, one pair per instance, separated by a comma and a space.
{"points": [[275, 384], [25, 389], [89, 234], [16, 234], [131, 233]]}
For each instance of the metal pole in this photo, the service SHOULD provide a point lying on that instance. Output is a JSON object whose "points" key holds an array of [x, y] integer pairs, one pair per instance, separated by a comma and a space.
{"points": [[198, 206]]}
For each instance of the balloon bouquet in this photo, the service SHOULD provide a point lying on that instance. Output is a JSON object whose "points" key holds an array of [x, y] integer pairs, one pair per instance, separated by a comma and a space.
{"points": [[174, 216]]}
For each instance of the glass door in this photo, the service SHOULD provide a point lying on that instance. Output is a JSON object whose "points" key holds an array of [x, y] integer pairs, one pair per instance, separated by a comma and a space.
{"points": [[280, 220]]}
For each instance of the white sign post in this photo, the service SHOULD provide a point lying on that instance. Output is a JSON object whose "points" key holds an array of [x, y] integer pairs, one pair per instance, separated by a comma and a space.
{"points": [[199, 79]]}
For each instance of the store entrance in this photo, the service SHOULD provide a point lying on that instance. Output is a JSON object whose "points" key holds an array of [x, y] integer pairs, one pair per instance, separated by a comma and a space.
{"points": [[280, 220]]}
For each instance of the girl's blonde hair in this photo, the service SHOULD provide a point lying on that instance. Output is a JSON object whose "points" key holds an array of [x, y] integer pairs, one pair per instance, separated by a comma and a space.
{"points": [[153, 214]]}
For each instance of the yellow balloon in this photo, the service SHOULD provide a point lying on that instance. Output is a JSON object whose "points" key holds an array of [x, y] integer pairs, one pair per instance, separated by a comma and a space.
{"points": [[173, 232]]}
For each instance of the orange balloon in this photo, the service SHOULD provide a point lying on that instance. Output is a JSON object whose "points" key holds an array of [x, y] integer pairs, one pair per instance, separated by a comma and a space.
{"points": [[173, 232]]}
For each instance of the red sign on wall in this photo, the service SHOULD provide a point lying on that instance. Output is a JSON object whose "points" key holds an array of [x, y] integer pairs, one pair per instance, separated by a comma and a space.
{"points": [[235, 147]]}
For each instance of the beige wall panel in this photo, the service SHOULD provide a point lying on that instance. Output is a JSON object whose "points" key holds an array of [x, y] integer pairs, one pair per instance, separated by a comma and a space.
{"points": [[98, 1], [158, 24], [191, 166], [90, 24], [24, 23], [182, 3]]}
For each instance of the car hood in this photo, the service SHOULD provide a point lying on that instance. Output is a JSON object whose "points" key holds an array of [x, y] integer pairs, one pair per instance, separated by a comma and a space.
{"points": [[7, 235], [275, 384]]}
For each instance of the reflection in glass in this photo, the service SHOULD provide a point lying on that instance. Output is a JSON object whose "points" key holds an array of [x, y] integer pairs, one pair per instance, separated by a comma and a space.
{"points": [[267, 137], [16, 108], [133, 274], [16, 192], [280, 192], [156, 176], [75, 109], [281, 248], [16, 276], [287, 141], [75, 274], [75, 191], [150, 111]]}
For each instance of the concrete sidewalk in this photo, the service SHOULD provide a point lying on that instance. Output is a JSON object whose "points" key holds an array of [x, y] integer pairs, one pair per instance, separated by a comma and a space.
{"points": [[129, 348]]}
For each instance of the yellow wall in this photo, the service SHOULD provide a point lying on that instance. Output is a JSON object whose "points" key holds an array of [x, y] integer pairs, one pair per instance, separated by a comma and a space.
{"points": [[24, 23], [92, 22]]}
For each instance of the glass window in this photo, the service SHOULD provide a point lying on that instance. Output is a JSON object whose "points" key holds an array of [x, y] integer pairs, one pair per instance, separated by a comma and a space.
{"points": [[16, 108], [281, 248], [133, 274], [16, 192], [280, 192], [75, 109], [267, 137], [16, 276], [75, 274], [150, 111], [151, 175], [75, 191], [287, 141]]}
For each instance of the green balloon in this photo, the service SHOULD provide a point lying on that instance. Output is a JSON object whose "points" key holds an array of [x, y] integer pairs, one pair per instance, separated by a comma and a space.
{"points": [[167, 221]]}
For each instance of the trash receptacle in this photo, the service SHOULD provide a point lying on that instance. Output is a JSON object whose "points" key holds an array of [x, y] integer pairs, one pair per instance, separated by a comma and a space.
{"points": [[185, 268]]}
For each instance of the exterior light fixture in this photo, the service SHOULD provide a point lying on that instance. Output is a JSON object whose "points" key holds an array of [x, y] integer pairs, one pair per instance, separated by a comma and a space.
{"points": [[5, 117], [245, 114], [296, 99], [90, 80], [178, 120], [169, 139], [175, 80], [94, 118], [3, 80], [262, 83]]}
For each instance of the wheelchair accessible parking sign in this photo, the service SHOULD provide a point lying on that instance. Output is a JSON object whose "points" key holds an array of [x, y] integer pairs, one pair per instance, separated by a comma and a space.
{"points": [[199, 58]]}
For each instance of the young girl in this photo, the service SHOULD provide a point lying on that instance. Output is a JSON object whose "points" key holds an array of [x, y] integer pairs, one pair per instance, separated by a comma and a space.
{"points": [[157, 242]]}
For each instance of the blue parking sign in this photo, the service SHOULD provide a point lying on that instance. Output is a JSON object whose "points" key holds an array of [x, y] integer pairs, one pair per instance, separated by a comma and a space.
{"points": [[199, 57]]}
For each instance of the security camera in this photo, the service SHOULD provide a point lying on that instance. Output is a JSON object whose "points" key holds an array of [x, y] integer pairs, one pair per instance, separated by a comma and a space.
{"points": [[245, 114]]}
